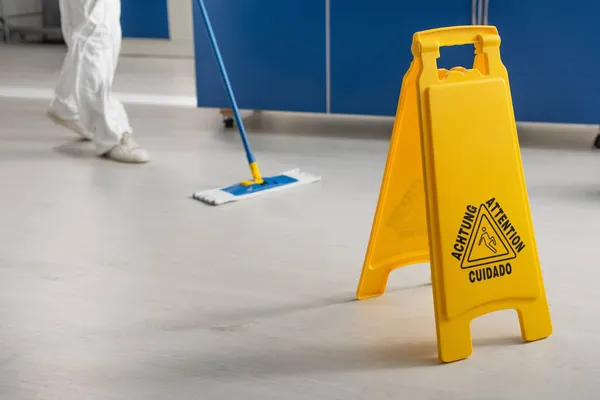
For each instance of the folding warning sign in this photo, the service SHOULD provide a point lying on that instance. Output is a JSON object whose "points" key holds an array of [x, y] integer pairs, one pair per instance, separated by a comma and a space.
{"points": [[454, 194]]}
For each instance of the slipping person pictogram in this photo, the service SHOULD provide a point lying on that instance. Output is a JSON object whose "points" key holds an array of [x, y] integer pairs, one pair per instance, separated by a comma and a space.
{"points": [[489, 241]]}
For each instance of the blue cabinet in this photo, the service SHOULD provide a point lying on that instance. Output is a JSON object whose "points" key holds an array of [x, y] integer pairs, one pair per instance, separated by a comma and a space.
{"points": [[370, 49], [274, 52], [551, 54], [145, 19]]}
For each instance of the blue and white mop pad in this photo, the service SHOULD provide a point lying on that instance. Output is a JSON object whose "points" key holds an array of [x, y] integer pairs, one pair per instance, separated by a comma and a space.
{"points": [[241, 191], [258, 185]]}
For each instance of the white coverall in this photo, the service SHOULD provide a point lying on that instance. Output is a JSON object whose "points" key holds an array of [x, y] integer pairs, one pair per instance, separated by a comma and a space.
{"points": [[92, 31]]}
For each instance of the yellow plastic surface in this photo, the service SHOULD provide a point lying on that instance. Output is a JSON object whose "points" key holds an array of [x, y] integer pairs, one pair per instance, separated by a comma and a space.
{"points": [[455, 131], [256, 176]]}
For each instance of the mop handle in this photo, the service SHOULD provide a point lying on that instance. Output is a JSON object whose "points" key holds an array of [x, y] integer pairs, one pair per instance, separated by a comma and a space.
{"points": [[236, 112]]}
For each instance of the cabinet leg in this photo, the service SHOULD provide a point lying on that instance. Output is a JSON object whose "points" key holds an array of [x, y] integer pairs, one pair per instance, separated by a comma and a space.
{"points": [[228, 119]]}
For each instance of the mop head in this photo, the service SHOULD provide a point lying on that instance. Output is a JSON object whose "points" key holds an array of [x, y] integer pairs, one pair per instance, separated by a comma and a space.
{"points": [[271, 184]]}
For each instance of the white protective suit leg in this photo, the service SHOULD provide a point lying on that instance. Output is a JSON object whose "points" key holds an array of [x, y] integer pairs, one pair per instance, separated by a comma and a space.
{"points": [[92, 31]]}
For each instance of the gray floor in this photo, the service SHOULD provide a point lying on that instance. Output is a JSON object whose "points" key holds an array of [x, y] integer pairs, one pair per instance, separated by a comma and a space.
{"points": [[115, 285]]}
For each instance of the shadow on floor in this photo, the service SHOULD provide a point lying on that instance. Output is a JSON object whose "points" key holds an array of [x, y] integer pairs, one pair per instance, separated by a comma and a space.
{"points": [[573, 191], [241, 354], [316, 125], [282, 357], [236, 318], [309, 358], [531, 135], [558, 137], [77, 148]]}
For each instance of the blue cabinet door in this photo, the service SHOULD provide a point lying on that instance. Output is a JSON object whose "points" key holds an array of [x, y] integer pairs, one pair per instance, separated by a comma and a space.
{"points": [[370, 49], [274, 52], [551, 54], [145, 19]]}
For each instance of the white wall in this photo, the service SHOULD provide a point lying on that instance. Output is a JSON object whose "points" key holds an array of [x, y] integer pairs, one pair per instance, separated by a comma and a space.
{"points": [[180, 20], [181, 29]]}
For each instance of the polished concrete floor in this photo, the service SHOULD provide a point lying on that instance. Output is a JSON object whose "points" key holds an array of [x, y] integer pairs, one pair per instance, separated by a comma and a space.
{"points": [[114, 284]]}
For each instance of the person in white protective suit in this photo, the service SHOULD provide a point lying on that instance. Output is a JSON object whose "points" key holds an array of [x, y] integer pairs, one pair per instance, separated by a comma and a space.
{"points": [[84, 102]]}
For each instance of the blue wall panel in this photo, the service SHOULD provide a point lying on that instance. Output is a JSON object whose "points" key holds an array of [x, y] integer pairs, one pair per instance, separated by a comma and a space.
{"points": [[274, 52], [370, 49], [145, 19], [551, 52]]}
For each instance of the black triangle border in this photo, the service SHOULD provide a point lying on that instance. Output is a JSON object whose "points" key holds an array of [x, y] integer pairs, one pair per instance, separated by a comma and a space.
{"points": [[494, 259]]}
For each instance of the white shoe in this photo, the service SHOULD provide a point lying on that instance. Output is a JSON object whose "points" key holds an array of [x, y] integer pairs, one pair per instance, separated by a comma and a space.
{"points": [[128, 151], [71, 124]]}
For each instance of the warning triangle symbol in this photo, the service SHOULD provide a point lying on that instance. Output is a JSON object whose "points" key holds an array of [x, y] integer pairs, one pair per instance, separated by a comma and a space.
{"points": [[487, 243]]}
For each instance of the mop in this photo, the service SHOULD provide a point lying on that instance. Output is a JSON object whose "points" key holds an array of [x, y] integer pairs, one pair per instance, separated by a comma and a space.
{"points": [[258, 185]]}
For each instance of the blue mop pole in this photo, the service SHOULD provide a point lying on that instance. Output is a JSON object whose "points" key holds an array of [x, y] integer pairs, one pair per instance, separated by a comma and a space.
{"points": [[236, 112]]}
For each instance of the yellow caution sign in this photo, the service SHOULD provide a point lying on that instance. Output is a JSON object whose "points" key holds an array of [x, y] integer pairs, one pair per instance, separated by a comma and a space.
{"points": [[454, 194]]}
